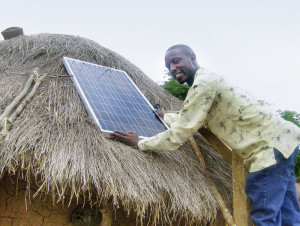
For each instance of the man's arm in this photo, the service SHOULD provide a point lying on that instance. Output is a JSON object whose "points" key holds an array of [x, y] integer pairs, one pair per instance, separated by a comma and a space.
{"points": [[191, 117], [169, 118]]}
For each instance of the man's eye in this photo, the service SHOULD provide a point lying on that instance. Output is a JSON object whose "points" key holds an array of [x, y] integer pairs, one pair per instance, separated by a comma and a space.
{"points": [[176, 61]]}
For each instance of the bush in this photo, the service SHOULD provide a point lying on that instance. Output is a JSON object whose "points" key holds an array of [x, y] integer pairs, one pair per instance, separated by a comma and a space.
{"points": [[177, 90], [293, 117]]}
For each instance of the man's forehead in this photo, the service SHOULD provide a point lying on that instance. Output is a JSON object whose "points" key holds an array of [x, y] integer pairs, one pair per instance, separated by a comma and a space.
{"points": [[175, 53]]}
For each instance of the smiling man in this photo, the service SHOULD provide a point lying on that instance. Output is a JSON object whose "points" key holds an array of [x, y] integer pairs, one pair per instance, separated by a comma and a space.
{"points": [[182, 64], [267, 143]]}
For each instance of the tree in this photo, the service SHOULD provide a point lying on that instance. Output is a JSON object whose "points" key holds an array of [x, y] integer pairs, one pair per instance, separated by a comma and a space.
{"points": [[176, 89], [293, 117]]}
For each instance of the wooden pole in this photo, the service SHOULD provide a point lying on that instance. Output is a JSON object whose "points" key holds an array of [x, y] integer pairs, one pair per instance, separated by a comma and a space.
{"points": [[217, 144], [226, 214], [106, 211], [241, 204], [17, 99], [218, 221]]}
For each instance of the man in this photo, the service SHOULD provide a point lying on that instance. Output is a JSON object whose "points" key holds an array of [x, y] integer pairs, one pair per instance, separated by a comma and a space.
{"points": [[267, 143]]}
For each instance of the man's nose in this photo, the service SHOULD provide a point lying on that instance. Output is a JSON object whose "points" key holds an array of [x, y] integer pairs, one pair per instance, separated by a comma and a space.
{"points": [[173, 68]]}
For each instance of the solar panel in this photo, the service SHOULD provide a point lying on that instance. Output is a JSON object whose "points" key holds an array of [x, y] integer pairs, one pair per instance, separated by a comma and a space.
{"points": [[113, 100]]}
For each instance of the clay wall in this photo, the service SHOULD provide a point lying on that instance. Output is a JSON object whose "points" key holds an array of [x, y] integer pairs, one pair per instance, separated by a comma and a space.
{"points": [[41, 211]]}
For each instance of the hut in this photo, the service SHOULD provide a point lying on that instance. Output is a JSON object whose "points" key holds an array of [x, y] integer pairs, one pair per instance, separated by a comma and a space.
{"points": [[57, 168]]}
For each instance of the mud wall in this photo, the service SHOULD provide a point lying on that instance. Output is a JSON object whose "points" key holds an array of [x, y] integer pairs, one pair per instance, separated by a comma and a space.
{"points": [[17, 209], [41, 211]]}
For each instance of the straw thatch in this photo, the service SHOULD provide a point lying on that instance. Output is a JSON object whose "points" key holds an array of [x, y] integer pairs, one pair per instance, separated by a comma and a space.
{"points": [[53, 142]]}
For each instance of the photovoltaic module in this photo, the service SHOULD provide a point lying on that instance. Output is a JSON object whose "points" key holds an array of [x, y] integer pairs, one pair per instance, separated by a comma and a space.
{"points": [[112, 99]]}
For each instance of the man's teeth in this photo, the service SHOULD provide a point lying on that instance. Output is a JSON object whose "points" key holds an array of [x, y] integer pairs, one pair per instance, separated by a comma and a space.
{"points": [[178, 75]]}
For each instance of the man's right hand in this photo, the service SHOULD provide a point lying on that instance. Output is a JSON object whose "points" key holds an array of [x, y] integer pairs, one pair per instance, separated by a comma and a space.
{"points": [[130, 138], [160, 112]]}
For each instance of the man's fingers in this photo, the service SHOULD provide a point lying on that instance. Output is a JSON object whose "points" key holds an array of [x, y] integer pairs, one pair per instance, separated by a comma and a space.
{"points": [[120, 133], [130, 138], [117, 136], [160, 112], [121, 136]]}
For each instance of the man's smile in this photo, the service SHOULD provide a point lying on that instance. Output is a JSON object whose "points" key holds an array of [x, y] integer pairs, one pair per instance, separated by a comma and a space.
{"points": [[178, 75]]}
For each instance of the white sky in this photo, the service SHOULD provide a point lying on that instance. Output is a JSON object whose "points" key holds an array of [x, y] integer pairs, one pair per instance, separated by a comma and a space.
{"points": [[255, 44]]}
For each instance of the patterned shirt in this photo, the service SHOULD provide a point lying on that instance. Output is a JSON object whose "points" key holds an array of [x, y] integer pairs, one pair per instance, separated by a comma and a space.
{"points": [[246, 125]]}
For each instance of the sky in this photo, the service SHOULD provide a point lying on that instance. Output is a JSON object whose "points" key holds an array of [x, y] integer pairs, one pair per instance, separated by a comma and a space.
{"points": [[254, 44]]}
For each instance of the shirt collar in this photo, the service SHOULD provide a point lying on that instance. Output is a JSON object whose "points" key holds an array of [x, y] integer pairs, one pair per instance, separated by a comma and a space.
{"points": [[199, 72]]}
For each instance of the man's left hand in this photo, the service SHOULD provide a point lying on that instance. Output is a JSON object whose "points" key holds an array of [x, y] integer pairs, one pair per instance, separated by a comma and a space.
{"points": [[130, 138]]}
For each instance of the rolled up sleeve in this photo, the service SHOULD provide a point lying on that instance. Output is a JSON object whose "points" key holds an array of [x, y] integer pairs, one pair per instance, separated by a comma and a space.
{"points": [[169, 118], [191, 117]]}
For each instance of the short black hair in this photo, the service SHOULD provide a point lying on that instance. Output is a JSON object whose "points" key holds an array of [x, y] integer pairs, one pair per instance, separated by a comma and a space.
{"points": [[183, 47]]}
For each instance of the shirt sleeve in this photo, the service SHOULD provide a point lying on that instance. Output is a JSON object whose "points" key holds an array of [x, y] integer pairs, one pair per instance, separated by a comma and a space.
{"points": [[190, 118], [169, 118]]}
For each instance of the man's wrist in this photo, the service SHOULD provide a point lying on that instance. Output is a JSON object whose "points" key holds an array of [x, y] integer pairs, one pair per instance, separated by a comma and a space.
{"points": [[136, 146]]}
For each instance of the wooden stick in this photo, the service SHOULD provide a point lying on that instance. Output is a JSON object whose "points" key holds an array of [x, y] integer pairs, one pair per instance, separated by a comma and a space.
{"points": [[7, 122], [106, 211], [27, 99], [16, 101], [217, 144], [226, 214], [241, 204]]}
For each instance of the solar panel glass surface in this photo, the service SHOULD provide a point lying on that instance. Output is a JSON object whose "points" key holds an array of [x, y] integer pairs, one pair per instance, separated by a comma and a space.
{"points": [[113, 100]]}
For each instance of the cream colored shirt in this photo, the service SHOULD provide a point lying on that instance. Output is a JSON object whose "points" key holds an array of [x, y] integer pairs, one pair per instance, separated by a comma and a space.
{"points": [[243, 123]]}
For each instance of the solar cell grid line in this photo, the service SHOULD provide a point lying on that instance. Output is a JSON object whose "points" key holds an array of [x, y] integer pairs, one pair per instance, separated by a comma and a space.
{"points": [[120, 93], [112, 99]]}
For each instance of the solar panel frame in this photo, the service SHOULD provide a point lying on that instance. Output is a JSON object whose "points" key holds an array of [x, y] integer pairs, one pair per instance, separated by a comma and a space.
{"points": [[133, 109]]}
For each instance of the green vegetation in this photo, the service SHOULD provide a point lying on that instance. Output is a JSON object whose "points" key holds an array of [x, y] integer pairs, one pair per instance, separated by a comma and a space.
{"points": [[180, 91], [177, 90], [293, 117]]}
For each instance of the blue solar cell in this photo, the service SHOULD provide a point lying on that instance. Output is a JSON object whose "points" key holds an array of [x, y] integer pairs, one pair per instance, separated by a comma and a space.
{"points": [[113, 100]]}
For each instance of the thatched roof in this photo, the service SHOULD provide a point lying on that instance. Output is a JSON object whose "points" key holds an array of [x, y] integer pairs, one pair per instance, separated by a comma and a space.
{"points": [[54, 143]]}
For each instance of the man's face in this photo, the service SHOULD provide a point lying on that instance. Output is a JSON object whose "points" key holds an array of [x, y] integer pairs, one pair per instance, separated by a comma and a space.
{"points": [[181, 65]]}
